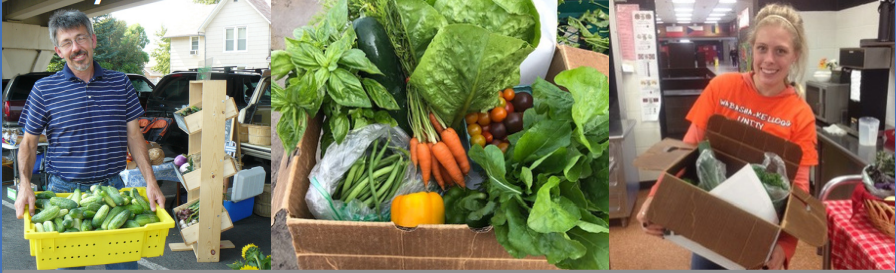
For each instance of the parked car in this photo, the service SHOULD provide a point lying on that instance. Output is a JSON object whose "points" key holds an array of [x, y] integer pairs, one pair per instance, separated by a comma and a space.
{"points": [[16, 92], [258, 113], [172, 93]]}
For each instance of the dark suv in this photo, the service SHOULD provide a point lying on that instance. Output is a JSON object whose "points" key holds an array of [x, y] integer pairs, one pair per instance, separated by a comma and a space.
{"points": [[16, 92], [172, 93]]}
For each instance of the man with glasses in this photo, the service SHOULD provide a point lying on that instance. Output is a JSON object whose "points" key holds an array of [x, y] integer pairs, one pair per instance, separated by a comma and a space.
{"points": [[90, 117]]}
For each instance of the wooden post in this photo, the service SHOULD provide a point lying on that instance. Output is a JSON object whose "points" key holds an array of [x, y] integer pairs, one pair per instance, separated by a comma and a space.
{"points": [[211, 193]]}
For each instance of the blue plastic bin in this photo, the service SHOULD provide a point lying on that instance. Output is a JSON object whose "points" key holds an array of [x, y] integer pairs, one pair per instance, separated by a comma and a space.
{"points": [[239, 210]]}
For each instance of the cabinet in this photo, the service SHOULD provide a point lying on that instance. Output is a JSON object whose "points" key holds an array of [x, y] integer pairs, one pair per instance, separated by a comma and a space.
{"points": [[623, 177]]}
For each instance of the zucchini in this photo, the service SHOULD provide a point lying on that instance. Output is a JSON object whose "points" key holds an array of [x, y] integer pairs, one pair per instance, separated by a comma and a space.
{"points": [[45, 195], [373, 40], [131, 224], [47, 214], [86, 226], [100, 216], [119, 219], [49, 226], [116, 197], [63, 203], [112, 214]]}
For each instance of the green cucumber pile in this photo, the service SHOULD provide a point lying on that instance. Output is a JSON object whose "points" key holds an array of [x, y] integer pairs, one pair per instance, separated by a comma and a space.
{"points": [[103, 208]]}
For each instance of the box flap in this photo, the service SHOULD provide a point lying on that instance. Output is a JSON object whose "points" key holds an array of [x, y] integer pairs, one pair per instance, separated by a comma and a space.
{"points": [[806, 218], [292, 182], [750, 144], [567, 58], [663, 155]]}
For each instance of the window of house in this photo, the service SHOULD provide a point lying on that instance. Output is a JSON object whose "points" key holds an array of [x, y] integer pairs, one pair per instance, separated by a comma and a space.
{"points": [[194, 43], [235, 39]]}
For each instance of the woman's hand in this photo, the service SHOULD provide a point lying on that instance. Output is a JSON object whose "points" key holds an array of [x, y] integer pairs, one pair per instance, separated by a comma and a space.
{"points": [[647, 226], [776, 261]]}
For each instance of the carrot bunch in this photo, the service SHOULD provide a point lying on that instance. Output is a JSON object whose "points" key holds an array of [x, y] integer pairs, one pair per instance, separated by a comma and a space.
{"points": [[436, 151]]}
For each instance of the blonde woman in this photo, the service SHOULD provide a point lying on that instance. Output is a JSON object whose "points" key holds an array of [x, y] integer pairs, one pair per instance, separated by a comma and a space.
{"points": [[768, 98]]}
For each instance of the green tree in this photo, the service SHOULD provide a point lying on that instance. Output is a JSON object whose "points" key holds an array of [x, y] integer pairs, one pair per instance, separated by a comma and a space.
{"points": [[205, 2], [119, 46], [162, 54]]}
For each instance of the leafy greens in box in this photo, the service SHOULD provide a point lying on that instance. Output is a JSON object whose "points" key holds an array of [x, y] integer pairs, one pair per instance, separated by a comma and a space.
{"points": [[322, 69], [552, 185]]}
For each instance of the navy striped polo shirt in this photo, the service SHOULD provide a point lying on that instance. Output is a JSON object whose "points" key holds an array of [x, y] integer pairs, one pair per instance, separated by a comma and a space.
{"points": [[86, 123]]}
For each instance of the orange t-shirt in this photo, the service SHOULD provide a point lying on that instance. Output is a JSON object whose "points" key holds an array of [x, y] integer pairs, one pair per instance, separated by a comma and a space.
{"points": [[785, 115]]}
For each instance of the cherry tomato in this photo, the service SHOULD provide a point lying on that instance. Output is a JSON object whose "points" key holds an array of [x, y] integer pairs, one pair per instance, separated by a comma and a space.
{"points": [[501, 102], [486, 128], [508, 94], [509, 108], [498, 114], [483, 119], [478, 140], [473, 117], [474, 129], [503, 146], [488, 137]]}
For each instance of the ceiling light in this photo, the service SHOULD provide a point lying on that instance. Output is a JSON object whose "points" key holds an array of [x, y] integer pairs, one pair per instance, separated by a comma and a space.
{"points": [[683, 1], [721, 10], [685, 41], [682, 15], [684, 9], [727, 1], [711, 22], [716, 14], [713, 19], [97, 2]]}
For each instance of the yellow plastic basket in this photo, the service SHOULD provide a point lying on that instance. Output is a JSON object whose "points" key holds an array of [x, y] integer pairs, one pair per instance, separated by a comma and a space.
{"points": [[58, 250]]}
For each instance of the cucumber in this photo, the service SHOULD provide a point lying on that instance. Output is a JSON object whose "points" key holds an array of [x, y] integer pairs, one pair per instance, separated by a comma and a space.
{"points": [[47, 214], [60, 224], [116, 197], [373, 40], [76, 213], [135, 208], [45, 195], [42, 203], [100, 216], [63, 203], [107, 199], [62, 212], [76, 196], [49, 226], [71, 230], [88, 214], [131, 224], [68, 221], [119, 220], [94, 188], [88, 200], [77, 224], [112, 214], [84, 195], [94, 206], [39, 227], [86, 226], [140, 200], [126, 200]]}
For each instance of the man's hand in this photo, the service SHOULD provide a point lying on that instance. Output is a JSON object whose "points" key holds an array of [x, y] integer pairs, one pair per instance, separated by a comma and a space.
{"points": [[25, 197], [776, 261], [154, 194]]}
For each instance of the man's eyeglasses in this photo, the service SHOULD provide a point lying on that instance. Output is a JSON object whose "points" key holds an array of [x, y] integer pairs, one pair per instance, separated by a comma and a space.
{"points": [[81, 40]]}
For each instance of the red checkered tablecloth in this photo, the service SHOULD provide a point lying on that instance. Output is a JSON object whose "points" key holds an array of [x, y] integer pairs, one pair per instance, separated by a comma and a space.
{"points": [[855, 243]]}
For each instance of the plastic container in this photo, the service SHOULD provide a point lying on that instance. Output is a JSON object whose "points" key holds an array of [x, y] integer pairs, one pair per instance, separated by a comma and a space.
{"points": [[239, 210], [55, 250], [248, 184], [868, 131]]}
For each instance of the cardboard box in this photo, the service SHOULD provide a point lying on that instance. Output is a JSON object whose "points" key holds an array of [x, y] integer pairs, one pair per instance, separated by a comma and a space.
{"points": [[567, 57], [323, 244], [713, 227]]}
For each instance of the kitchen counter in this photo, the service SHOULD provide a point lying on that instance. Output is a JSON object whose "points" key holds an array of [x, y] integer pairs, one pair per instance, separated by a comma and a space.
{"points": [[849, 146], [621, 128], [839, 156]]}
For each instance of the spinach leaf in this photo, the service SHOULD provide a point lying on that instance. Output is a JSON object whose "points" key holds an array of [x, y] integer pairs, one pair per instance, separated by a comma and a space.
{"points": [[492, 160], [514, 18], [542, 139], [421, 22], [596, 187], [551, 214], [548, 98], [590, 90], [464, 66], [598, 251]]}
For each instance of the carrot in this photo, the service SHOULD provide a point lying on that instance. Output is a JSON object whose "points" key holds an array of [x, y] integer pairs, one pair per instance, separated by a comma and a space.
{"points": [[443, 154], [446, 177], [437, 173], [425, 158], [414, 151], [450, 137], [435, 123]]}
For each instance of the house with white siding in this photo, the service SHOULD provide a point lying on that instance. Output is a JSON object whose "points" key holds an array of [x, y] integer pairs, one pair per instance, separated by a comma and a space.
{"points": [[231, 33]]}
